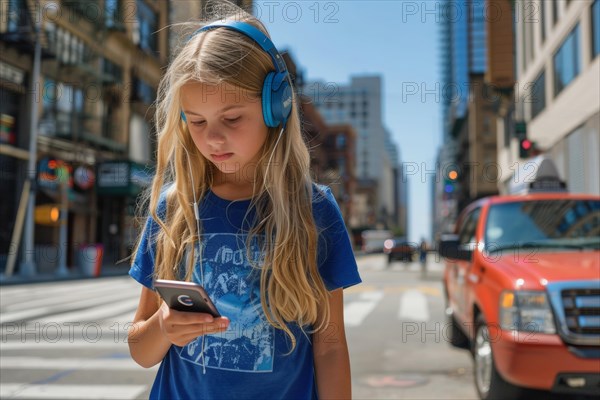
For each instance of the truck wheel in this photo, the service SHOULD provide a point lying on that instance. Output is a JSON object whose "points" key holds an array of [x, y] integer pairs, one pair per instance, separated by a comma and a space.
{"points": [[488, 382], [457, 336]]}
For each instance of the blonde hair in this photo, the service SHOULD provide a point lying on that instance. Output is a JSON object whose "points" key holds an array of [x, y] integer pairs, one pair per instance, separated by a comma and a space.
{"points": [[292, 288]]}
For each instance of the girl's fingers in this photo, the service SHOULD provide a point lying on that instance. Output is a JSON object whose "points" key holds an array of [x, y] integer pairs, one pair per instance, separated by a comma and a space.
{"points": [[186, 332], [187, 318]]}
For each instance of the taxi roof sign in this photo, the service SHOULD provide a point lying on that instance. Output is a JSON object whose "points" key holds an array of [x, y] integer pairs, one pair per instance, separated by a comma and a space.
{"points": [[538, 174]]}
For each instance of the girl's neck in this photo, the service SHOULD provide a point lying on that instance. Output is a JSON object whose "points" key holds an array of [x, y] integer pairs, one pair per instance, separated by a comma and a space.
{"points": [[233, 190]]}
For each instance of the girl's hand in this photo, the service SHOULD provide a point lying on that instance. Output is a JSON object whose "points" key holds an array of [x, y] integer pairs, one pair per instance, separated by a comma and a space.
{"points": [[181, 327]]}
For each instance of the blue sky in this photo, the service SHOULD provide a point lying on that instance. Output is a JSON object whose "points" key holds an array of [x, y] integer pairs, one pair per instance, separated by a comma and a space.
{"points": [[334, 40]]}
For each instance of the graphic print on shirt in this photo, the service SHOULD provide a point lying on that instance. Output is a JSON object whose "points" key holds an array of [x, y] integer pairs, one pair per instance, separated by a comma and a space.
{"points": [[233, 285]]}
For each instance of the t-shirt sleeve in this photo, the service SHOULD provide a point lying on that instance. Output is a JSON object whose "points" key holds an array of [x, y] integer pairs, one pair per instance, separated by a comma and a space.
{"points": [[142, 267], [337, 264]]}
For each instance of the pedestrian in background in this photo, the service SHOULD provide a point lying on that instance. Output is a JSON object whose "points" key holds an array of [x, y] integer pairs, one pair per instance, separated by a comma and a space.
{"points": [[233, 208], [423, 257]]}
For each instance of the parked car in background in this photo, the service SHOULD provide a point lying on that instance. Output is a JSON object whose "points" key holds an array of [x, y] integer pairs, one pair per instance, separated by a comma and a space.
{"points": [[522, 289], [399, 249], [373, 240]]}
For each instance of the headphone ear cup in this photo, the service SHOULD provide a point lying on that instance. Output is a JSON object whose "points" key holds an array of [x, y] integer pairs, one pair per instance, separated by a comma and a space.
{"points": [[281, 106], [267, 100]]}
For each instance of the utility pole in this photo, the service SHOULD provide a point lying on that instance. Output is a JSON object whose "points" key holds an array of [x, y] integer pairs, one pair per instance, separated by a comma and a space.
{"points": [[28, 267]]}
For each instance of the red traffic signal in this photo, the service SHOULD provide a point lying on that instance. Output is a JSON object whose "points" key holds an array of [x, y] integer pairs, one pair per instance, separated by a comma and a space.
{"points": [[526, 146]]}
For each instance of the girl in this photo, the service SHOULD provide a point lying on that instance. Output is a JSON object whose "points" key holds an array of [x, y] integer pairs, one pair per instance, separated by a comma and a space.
{"points": [[233, 208]]}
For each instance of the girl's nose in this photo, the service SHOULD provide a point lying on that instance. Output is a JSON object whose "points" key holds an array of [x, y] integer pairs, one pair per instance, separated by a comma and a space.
{"points": [[215, 136]]}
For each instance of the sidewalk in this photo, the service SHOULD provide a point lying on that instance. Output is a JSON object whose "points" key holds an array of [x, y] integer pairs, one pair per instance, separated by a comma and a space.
{"points": [[74, 273]]}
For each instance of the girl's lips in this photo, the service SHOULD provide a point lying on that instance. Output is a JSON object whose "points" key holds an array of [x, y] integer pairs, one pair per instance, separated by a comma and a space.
{"points": [[221, 157]]}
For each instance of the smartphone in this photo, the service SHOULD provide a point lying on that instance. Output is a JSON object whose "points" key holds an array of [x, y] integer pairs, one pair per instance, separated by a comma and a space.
{"points": [[185, 296]]}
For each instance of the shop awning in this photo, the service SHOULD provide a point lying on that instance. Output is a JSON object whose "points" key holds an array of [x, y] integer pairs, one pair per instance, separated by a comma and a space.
{"points": [[122, 178]]}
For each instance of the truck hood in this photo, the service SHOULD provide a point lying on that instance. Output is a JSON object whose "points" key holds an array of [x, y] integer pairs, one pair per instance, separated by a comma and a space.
{"points": [[551, 266]]}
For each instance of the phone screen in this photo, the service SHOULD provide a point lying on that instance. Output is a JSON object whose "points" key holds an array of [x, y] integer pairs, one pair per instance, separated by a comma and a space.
{"points": [[186, 296]]}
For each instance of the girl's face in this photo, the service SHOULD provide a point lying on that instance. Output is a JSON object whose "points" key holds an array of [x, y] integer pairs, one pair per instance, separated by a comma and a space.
{"points": [[227, 126]]}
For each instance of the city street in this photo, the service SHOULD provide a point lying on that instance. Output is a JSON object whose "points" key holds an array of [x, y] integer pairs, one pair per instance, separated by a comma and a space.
{"points": [[67, 339]]}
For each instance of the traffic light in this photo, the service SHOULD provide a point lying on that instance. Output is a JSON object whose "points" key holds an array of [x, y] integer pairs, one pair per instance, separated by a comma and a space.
{"points": [[47, 214], [526, 147], [449, 181]]}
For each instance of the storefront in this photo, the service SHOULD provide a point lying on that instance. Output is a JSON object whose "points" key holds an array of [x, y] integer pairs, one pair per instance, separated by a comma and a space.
{"points": [[118, 185], [68, 186], [13, 149]]}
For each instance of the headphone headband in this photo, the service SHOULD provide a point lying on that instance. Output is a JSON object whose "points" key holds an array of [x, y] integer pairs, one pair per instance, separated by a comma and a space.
{"points": [[277, 86], [255, 34]]}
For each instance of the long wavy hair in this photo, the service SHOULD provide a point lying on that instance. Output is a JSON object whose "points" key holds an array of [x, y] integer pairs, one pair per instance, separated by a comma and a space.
{"points": [[292, 290]]}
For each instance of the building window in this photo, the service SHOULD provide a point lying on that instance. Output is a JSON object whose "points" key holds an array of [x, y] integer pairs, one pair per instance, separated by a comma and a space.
{"points": [[143, 92], [487, 124], [62, 109], [542, 21], [595, 28], [477, 38], [147, 26], [538, 95], [113, 18], [566, 61], [340, 143], [523, 33], [113, 73], [509, 126]]}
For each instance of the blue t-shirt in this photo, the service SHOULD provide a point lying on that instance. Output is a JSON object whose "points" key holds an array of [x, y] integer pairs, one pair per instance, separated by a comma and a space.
{"points": [[250, 359]]}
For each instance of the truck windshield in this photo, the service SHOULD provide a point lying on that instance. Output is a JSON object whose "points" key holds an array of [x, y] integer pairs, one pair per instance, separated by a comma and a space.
{"points": [[545, 224]]}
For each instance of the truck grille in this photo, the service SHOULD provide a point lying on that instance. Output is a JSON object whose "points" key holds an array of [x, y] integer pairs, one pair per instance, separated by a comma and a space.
{"points": [[576, 305], [582, 310]]}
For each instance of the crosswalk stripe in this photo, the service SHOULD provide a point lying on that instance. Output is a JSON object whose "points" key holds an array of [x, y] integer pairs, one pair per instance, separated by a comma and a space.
{"points": [[12, 295], [97, 364], [98, 313], [413, 306], [355, 312], [26, 391], [62, 345], [49, 299], [52, 310]]}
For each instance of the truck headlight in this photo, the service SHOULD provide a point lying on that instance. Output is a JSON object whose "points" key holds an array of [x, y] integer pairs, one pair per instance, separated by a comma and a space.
{"points": [[527, 311]]}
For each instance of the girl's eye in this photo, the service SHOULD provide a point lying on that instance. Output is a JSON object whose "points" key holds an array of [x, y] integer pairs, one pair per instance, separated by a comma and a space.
{"points": [[232, 120], [198, 123]]}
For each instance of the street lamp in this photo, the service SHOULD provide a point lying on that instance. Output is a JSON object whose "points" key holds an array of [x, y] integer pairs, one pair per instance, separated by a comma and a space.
{"points": [[28, 267]]}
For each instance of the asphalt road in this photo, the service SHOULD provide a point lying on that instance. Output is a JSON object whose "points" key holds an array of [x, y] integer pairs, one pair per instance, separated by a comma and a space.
{"points": [[397, 335], [67, 339]]}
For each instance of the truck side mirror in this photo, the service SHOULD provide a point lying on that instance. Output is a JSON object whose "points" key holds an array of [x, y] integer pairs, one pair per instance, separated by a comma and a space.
{"points": [[449, 247]]}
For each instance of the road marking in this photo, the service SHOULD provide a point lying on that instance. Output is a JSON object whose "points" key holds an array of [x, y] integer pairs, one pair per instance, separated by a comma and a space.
{"points": [[100, 313], [355, 312], [96, 364], [72, 296], [413, 306], [19, 295], [26, 391], [430, 290], [50, 311], [360, 289], [62, 345]]}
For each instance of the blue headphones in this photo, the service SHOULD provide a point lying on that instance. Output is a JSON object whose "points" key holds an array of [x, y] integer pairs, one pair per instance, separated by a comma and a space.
{"points": [[276, 90]]}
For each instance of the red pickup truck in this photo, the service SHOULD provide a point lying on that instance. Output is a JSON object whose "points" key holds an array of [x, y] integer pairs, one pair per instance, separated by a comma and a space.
{"points": [[522, 285]]}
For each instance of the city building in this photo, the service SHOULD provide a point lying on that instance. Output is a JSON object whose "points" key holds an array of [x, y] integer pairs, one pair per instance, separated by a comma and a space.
{"points": [[557, 101], [332, 148], [360, 105], [92, 146], [468, 111]]}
